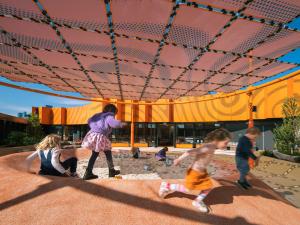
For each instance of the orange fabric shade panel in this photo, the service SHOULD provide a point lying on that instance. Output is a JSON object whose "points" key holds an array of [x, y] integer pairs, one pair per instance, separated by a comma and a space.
{"points": [[145, 50]]}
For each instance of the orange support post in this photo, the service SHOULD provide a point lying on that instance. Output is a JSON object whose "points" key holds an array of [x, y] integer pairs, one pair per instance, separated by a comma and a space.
{"points": [[171, 110], [132, 127], [251, 121], [250, 94]]}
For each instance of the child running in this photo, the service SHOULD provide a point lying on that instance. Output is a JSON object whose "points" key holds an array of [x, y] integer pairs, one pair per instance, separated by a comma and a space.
{"points": [[49, 150], [244, 153], [197, 177], [97, 139]]}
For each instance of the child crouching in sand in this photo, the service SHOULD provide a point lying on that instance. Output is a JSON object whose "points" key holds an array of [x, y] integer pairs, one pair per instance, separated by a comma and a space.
{"points": [[197, 177], [49, 150]]}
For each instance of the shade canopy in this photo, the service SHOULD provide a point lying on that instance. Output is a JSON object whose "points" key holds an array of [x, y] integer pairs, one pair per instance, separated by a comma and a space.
{"points": [[146, 49]]}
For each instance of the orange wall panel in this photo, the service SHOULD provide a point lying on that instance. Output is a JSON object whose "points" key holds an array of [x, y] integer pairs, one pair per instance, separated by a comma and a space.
{"points": [[296, 88], [46, 115], [258, 101], [56, 116], [268, 101], [160, 113], [127, 113], [142, 113]]}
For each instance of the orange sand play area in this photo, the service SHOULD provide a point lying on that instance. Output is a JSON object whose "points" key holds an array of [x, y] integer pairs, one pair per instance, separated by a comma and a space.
{"points": [[32, 199]]}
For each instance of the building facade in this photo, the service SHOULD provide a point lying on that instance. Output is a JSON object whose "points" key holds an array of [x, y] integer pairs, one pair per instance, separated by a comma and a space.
{"points": [[9, 124], [182, 123]]}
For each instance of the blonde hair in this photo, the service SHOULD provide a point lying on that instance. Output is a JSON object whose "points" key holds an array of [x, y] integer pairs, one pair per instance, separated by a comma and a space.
{"points": [[50, 141]]}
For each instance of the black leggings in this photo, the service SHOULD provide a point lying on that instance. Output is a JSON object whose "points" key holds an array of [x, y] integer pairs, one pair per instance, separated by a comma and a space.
{"points": [[70, 163], [94, 156]]}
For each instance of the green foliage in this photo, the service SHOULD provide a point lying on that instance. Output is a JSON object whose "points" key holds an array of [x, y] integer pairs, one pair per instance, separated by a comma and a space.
{"points": [[34, 130], [34, 120], [27, 140], [267, 153], [287, 135], [33, 134], [15, 138]]}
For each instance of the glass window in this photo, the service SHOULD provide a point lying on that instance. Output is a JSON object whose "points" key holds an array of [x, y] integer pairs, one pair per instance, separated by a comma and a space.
{"points": [[140, 133], [121, 135], [185, 133]]}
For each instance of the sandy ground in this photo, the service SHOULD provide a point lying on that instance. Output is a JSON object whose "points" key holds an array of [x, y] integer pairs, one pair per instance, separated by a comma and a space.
{"points": [[147, 167], [31, 199]]}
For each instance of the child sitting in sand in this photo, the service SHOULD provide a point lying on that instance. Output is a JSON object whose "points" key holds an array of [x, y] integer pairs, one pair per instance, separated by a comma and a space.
{"points": [[245, 157], [135, 152], [162, 154], [48, 150], [97, 139], [197, 177]]}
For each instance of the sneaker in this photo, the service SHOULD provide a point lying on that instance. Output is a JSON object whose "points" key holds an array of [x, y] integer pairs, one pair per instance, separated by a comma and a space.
{"points": [[201, 206], [113, 172], [247, 184], [164, 190], [88, 175], [75, 175], [242, 184]]}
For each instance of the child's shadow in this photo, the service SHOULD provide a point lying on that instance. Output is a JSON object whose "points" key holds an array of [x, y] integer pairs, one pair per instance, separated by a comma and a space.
{"points": [[224, 194], [180, 195]]}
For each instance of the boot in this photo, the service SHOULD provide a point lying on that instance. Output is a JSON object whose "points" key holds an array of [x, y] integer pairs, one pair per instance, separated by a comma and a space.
{"points": [[88, 175], [113, 172]]}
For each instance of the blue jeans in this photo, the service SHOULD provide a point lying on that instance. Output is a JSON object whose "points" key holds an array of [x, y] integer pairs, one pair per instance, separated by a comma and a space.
{"points": [[243, 167]]}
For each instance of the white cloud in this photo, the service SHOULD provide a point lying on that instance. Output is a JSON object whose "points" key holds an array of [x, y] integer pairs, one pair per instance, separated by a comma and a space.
{"points": [[64, 101], [16, 108], [72, 102]]}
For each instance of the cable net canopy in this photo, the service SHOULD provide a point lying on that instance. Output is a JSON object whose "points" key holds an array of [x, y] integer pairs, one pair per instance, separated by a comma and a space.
{"points": [[146, 49]]}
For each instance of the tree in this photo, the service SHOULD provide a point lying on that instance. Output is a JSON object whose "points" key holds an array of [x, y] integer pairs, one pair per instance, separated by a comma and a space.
{"points": [[287, 136], [34, 132]]}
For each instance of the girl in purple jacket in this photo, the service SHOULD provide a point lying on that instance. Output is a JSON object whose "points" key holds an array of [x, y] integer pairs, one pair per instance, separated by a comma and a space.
{"points": [[97, 139]]}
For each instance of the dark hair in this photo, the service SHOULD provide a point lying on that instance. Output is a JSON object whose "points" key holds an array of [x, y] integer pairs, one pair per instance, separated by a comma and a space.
{"points": [[253, 131], [110, 108], [217, 135]]}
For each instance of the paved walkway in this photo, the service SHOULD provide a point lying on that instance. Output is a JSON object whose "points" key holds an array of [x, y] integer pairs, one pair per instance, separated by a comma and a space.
{"points": [[31, 199]]}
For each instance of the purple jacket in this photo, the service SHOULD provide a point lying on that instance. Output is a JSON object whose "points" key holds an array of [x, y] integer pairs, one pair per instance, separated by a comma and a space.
{"points": [[103, 123]]}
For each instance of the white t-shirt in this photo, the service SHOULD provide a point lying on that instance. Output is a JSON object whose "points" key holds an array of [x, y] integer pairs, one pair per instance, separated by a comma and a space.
{"points": [[54, 159]]}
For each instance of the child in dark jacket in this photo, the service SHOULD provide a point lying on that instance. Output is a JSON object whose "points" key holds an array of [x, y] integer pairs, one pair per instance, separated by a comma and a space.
{"points": [[244, 152]]}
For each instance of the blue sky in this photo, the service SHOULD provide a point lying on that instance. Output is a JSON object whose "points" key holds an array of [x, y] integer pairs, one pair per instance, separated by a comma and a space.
{"points": [[13, 101]]}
